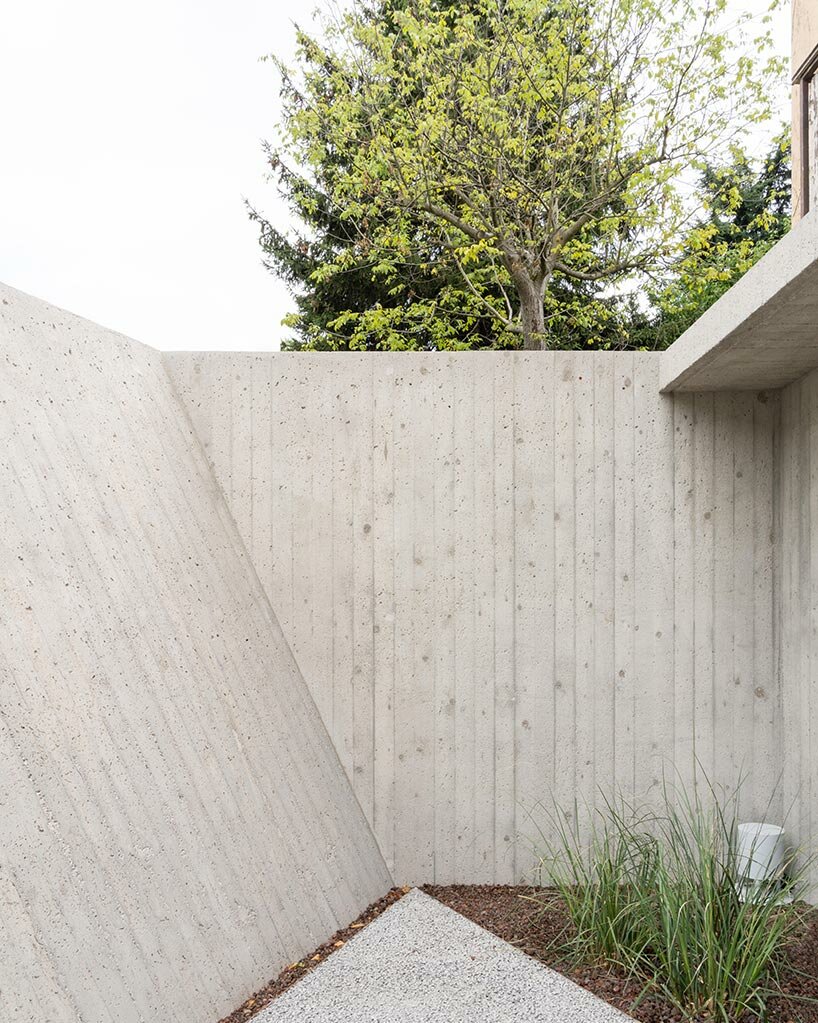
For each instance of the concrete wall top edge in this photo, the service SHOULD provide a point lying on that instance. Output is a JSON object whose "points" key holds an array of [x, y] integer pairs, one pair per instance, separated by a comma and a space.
{"points": [[37, 312], [480, 353]]}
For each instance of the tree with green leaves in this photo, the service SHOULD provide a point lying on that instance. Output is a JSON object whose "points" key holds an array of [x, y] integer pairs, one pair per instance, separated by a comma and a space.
{"points": [[746, 210], [475, 173]]}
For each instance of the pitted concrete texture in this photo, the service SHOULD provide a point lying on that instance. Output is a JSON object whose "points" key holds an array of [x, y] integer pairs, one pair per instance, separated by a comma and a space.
{"points": [[507, 577], [420, 962], [174, 818], [798, 539]]}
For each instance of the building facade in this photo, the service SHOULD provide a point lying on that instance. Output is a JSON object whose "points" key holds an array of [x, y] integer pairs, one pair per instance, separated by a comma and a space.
{"points": [[804, 106]]}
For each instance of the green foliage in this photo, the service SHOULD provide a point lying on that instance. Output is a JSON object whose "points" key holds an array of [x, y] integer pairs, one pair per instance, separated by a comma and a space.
{"points": [[417, 307], [658, 893], [475, 174], [747, 211]]}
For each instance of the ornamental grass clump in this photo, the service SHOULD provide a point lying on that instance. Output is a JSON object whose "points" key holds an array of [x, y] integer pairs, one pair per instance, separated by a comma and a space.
{"points": [[661, 895]]}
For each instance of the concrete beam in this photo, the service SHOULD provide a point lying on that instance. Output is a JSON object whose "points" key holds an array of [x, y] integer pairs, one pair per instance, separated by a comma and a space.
{"points": [[761, 334]]}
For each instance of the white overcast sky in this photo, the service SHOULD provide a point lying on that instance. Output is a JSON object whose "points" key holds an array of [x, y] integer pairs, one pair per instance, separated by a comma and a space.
{"points": [[129, 136]]}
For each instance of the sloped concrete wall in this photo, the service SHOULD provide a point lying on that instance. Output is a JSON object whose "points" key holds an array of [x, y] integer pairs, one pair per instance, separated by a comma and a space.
{"points": [[798, 608], [506, 575], [175, 823]]}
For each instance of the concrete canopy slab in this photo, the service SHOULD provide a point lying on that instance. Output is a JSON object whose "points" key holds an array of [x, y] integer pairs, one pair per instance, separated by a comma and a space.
{"points": [[763, 332], [420, 962]]}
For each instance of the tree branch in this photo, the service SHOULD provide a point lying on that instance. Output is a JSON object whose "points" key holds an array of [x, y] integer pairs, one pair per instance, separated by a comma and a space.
{"points": [[596, 275], [439, 213]]}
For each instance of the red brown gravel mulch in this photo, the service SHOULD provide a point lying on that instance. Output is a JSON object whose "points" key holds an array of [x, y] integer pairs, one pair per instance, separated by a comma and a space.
{"points": [[505, 911], [290, 974]]}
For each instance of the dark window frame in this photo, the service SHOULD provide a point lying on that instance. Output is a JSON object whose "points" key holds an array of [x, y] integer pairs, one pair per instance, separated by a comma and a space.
{"points": [[802, 79]]}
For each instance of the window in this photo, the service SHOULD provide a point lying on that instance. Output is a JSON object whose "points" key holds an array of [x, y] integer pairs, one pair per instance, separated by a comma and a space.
{"points": [[806, 157]]}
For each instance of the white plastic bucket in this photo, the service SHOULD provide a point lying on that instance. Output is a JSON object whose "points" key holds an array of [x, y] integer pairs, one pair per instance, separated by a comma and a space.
{"points": [[760, 851]]}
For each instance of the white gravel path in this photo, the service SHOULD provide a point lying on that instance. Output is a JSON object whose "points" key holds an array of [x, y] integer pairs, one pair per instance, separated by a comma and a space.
{"points": [[420, 962]]}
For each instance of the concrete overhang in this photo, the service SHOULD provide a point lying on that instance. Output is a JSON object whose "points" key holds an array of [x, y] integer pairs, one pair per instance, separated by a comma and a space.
{"points": [[763, 332]]}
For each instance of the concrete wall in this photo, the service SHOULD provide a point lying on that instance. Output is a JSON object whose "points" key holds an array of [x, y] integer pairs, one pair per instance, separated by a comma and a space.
{"points": [[175, 823], [505, 575], [798, 606]]}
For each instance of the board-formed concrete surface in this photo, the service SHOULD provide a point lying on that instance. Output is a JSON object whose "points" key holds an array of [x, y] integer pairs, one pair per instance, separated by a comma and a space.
{"points": [[174, 823], [420, 962], [798, 611], [763, 332], [506, 575]]}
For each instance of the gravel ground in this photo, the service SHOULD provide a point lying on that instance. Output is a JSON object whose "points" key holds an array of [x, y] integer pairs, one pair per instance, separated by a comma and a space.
{"points": [[296, 971], [421, 962]]}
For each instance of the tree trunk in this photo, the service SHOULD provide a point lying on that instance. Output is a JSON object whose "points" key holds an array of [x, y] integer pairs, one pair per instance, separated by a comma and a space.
{"points": [[532, 314]]}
